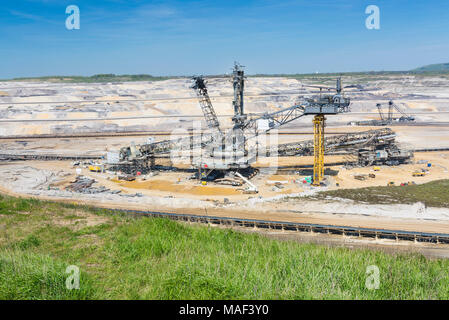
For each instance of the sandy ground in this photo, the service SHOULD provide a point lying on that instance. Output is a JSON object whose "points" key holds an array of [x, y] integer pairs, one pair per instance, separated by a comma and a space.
{"points": [[90, 103], [180, 184], [175, 192], [93, 107], [253, 212], [398, 174]]}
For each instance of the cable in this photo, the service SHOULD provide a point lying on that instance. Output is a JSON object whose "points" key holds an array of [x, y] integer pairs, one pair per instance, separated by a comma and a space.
{"points": [[182, 116]]}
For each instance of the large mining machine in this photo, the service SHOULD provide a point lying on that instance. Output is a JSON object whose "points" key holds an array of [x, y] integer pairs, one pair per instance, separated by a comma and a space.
{"points": [[233, 154], [222, 152], [386, 119], [368, 148]]}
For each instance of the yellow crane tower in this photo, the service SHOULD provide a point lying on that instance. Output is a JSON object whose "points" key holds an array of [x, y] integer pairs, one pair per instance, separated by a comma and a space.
{"points": [[329, 104], [318, 149]]}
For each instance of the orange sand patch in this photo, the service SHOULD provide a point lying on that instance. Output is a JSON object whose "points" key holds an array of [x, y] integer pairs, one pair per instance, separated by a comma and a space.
{"points": [[277, 177], [177, 188]]}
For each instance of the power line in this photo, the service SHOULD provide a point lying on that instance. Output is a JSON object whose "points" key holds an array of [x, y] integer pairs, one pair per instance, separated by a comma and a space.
{"points": [[141, 100], [183, 116]]}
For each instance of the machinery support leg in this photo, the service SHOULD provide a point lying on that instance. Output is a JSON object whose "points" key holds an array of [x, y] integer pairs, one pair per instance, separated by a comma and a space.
{"points": [[318, 149], [152, 162]]}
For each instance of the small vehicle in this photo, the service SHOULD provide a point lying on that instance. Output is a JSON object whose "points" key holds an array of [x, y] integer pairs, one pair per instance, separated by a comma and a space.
{"points": [[418, 174], [94, 168]]}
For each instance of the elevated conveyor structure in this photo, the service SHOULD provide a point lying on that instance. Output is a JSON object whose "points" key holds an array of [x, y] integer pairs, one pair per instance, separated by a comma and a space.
{"points": [[228, 151], [366, 148]]}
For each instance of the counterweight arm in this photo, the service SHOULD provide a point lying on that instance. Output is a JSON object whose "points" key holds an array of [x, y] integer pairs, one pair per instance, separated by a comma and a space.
{"points": [[206, 105]]}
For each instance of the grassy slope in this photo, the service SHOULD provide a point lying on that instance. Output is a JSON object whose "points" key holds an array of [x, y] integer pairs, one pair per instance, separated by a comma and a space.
{"points": [[433, 194], [145, 258], [438, 67]]}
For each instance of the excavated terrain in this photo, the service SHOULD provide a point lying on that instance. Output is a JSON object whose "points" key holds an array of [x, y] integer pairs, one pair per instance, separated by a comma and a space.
{"points": [[63, 119]]}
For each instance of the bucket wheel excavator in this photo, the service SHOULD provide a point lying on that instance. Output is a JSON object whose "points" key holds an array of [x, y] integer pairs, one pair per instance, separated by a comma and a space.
{"points": [[225, 151]]}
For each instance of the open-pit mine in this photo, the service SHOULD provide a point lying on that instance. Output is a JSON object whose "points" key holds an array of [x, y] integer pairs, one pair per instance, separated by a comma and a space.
{"points": [[235, 150]]}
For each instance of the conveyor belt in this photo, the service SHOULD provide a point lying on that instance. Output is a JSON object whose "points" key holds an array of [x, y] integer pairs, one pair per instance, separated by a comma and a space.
{"points": [[298, 227], [40, 156]]}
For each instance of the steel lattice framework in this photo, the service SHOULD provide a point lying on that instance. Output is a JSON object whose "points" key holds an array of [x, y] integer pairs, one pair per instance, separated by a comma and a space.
{"points": [[318, 149], [228, 151], [206, 105]]}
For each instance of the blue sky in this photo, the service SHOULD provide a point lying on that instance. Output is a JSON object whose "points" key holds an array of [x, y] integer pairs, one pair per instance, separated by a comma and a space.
{"points": [[205, 37]]}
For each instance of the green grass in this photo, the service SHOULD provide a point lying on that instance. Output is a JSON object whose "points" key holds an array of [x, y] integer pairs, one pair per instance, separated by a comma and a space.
{"points": [[432, 194], [125, 258], [438, 67], [28, 275]]}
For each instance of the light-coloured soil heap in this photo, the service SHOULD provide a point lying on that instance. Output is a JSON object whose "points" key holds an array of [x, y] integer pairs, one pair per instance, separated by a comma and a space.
{"points": [[142, 106], [127, 104]]}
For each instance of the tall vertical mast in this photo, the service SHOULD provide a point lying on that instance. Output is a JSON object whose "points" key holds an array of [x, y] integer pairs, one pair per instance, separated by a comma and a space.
{"points": [[238, 79]]}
